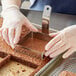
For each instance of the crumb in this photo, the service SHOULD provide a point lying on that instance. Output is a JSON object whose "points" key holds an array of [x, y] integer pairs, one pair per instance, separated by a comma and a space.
{"points": [[17, 63], [9, 69], [66, 73], [23, 70], [18, 71]]}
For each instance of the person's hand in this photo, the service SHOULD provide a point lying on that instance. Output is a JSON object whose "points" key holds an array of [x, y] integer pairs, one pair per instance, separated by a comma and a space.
{"points": [[13, 20], [63, 41]]}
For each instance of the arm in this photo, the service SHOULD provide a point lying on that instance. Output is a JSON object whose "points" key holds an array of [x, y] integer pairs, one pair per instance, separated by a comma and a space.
{"points": [[13, 20], [5, 3]]}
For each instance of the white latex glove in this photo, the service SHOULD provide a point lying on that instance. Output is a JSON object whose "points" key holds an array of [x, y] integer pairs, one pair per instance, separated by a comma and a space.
{"points": [[13, 20], [63, 40]]}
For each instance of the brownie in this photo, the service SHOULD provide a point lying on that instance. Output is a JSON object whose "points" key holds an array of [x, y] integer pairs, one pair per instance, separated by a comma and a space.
{"points": [[14, 54]]}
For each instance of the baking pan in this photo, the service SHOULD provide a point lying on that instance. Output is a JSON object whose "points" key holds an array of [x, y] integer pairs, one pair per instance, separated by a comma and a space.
{"points": [[21, 58]]}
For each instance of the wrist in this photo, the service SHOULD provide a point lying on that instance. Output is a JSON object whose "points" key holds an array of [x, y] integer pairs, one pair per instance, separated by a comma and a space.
{"points": [[9, 8]]}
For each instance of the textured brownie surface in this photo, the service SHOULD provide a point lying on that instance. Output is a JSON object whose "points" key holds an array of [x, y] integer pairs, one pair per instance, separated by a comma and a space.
{"points": [[13, 68], [36, 63], [35, 44], [7, 49]]}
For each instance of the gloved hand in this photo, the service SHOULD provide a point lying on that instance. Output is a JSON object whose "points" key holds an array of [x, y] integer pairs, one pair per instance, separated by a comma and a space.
{"points": [[63, 41], [13, 20]]}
